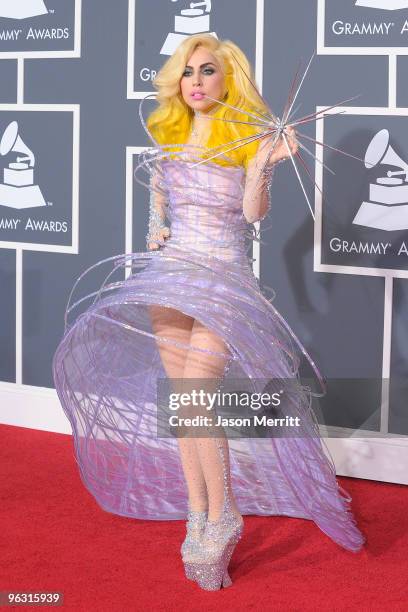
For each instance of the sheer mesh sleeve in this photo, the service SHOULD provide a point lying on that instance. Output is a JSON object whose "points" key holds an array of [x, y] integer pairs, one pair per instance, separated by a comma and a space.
{"points": [[157, 228], [257, 195]]}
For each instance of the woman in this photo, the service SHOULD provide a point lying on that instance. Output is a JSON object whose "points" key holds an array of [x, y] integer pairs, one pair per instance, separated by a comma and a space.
{"points": [[193, 316]]}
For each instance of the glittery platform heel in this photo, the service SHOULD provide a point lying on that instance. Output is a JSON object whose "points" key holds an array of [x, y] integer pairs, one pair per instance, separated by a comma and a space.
{"points": [[195, 526], [208, 565]]}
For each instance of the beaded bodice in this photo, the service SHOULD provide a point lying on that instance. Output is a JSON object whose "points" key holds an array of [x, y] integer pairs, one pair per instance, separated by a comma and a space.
{"points": [[205, 207]]}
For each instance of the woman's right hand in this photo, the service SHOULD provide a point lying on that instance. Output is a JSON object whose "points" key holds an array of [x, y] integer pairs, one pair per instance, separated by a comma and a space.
{"points": [[161, 235], [279, 151]]}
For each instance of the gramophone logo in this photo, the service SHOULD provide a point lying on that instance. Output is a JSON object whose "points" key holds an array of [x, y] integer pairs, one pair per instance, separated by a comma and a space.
{"points": [[387, 207], [18, 189], [193, 20], [385, 5], [22, 9]]}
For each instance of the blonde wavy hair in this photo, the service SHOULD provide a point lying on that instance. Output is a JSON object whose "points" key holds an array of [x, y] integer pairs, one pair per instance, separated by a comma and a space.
{"points": [[171, 121]]}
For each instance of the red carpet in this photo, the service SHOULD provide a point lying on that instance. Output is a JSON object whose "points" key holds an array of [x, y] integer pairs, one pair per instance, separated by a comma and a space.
{"points": [[54, 537]]}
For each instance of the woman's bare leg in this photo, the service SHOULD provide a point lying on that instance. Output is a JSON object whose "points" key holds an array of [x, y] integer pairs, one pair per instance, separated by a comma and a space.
{"points": [[210, 367], [173, 324]]}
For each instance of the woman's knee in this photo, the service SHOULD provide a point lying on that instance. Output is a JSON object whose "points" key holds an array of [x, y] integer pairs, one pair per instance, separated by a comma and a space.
{"points": [[199, 362]]}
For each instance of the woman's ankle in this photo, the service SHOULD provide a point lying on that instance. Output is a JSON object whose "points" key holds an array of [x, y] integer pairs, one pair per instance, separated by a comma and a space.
{"points": [[215, 516], [198, 506]]}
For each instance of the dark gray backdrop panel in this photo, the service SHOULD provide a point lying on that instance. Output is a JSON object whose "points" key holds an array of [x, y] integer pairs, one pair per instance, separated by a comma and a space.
{"points": [[346, 340], [338, 317], [8, 80]]}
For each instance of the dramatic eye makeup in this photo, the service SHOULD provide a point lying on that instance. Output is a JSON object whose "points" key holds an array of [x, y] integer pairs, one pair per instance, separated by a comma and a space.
{"points": [[207, 68]]}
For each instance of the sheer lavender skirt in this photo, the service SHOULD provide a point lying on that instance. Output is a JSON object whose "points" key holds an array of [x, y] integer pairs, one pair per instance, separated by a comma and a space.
{"points": [[106, 370]]}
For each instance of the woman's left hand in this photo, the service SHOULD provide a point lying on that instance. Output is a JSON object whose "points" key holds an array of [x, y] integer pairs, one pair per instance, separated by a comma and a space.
{"points": [[280, 150]]}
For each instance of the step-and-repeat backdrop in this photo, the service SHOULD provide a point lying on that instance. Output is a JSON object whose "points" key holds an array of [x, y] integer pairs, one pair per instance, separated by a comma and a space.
{"points": [[72, 74]]}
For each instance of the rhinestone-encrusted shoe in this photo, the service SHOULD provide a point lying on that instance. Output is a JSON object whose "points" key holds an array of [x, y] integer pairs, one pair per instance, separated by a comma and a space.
{"points": [[196, 522], [209, 567]]}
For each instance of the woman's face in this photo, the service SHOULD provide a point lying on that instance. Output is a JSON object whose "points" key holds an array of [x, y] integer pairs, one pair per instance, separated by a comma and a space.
{"points": [[202, 75]]}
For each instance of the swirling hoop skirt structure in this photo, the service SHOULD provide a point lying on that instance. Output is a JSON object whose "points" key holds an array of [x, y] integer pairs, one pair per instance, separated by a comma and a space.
{"points": [[107, 366]]}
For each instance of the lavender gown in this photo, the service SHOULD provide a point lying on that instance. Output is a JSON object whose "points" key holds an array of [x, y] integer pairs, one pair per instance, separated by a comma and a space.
{"points": [[107, 365]]}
